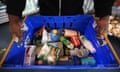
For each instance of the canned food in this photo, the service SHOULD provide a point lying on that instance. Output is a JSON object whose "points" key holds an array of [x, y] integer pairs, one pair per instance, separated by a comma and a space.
{"points": [[72, 52], [66, 42], [56, 44], [58, 51], [67, 51], [70, 33], [82, 52], [88, 61], [75, 41]]}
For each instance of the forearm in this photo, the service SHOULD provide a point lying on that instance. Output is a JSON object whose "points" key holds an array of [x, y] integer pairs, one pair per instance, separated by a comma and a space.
{"points": [[13, 19], [103, 7]]}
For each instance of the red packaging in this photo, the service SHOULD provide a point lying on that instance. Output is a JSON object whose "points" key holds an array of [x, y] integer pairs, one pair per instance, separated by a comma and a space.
{"points": [[75, 41]]}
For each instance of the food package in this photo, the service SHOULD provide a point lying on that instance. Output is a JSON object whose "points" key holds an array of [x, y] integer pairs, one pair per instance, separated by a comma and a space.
{"points": [[29, 58]]}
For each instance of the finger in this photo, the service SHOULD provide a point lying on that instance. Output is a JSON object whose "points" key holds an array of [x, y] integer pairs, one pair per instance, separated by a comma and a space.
{"points": [[21, 34]]}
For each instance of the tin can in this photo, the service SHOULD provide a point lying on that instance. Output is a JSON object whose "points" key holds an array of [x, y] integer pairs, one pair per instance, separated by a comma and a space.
{"points": [[66, 42], [67, 51], [71, 52], [82, 52], [58, 51], [75, 41], [70, 33], [88, 61]]}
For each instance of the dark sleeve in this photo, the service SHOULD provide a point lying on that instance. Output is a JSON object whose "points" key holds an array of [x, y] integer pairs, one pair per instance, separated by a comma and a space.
{"points": [[103, 7], [15, 7]]}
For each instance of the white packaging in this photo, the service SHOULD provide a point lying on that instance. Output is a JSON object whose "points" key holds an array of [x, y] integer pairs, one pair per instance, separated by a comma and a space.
{"points": [[29, 58]]}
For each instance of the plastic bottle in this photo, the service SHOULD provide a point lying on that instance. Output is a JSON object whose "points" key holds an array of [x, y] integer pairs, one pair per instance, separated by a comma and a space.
{"points": [[87, 44]]}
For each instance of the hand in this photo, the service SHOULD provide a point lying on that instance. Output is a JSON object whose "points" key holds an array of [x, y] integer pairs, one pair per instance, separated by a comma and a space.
{"points": [[15, 26], [15, 29], [102, 25]]}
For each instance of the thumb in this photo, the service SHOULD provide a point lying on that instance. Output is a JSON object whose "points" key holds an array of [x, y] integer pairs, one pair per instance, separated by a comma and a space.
{"points": [[20, 35]]}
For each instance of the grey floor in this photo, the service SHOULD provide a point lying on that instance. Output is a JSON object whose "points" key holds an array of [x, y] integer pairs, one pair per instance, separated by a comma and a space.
{"points": [[5, 38]]}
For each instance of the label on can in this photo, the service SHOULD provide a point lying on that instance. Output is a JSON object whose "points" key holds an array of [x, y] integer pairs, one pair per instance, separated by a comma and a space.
{"points": [[75, 41]]}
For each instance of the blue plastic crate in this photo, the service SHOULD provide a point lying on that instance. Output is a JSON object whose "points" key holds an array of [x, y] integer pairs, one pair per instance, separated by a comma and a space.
{"points": [[83, 23]]}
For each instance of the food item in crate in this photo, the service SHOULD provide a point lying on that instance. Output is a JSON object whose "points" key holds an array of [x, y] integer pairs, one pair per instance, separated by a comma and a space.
{"points": [[29, 58], [70, 33], [74, 60], [88, 61], [58, 45], [74, 52], [64, 58], [48, 53], [44, 36], [44, 51], [52, 56], [87, 44], [71, 52], [38, 48], [66, 42], [67, 51], [39, 62], [75, 41], [38, 36], [37, 40], [53, 37], [65, 32], [82, 52]]}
